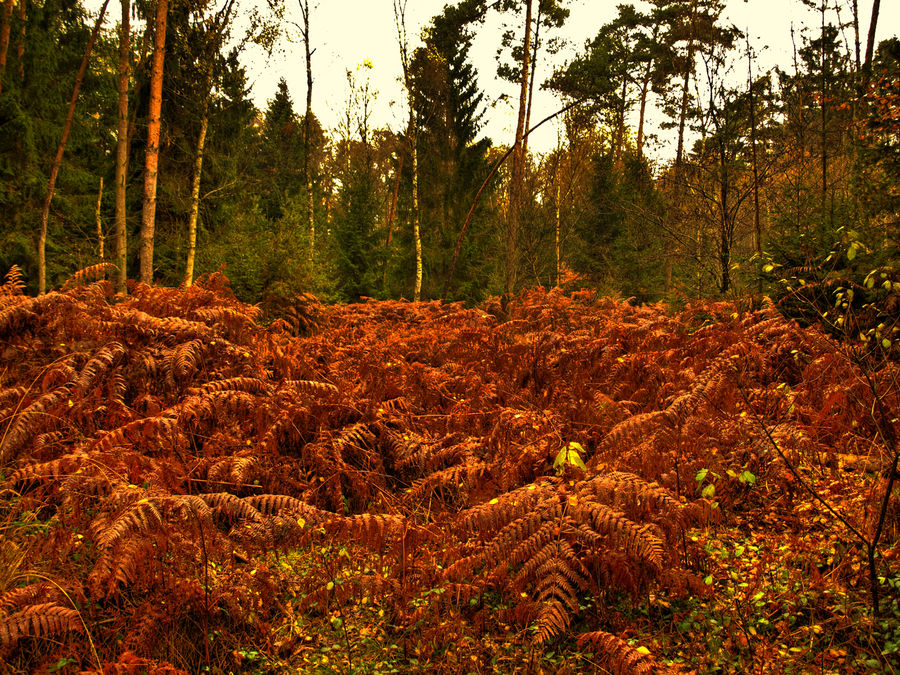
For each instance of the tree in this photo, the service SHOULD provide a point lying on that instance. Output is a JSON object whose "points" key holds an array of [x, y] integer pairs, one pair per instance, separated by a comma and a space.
{"points": [[211, 36], [452, 158], [412, 134], [57, 162], [307, 127], [5, 27], [151, 158], [121, 229]]}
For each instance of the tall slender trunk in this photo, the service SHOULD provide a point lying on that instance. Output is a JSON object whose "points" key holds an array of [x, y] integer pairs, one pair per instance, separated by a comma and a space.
{"points": [[195, 197], [558, 224], [121, 229], [57, 161], [517, 174], [305, 9], [855, 10], [390, 221], [151, 162], [100, 238], [757, 227], [534, 52], [412, 135], [824, 123], [724, 233], [20, 45], [870, 41], [645, 92], [5, 27], [620, 127], [417, 236], [685, 93]]}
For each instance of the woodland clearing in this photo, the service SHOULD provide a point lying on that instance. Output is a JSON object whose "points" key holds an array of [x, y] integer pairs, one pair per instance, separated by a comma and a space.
{"points": [[572, 485]]}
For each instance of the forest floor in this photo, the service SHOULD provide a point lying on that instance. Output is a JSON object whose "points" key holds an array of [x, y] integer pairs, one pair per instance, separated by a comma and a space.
{"points": [[572, 485]]}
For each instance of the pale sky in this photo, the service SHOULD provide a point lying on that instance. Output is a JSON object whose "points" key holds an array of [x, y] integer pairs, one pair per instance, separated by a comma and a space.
{"points": [[345, 33]]}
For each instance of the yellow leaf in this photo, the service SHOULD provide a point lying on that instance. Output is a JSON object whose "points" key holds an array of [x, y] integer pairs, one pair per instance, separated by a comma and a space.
{"points": [[573, 500], [643, 650], [494, 501]]}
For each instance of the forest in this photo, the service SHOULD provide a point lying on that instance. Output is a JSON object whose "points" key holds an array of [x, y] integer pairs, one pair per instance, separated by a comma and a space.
{"points": [[276, 397]]}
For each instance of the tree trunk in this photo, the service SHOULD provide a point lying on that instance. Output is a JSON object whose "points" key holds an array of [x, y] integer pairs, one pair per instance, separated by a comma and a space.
{"points": [[121, 231], [151, 163], [534, 53], [686, 77], [417, 237], [517, 174], [57, 161], [756, 221], [100, 238], [413, 137], [307, 121], [645, 91], [5, 27], [558, 223], [390, 221], [620, 127], [824, 123], [195, 198], [870, 42], [724, 234], [20, 45]]}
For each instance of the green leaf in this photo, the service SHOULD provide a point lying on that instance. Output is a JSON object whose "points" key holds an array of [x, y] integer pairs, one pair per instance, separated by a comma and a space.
{"points": [[709, 491], [851, 252], [708, 580], [701, 475], [748, 478]]}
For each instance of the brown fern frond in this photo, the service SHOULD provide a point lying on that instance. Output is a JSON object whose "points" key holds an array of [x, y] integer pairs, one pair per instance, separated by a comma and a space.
{"points": [[41, 415], [183, 360], [141, 516], [102, 361], [619, 656], [231, 506], [121, 565], [135, 433], [272, 504], [216, 405], [370, 530], [630, 432], [10, 397], [638, 540], [553, 619], [13, 283], [44, 620], [88, 275], [251, 385], [312, 387], [128, 663]]}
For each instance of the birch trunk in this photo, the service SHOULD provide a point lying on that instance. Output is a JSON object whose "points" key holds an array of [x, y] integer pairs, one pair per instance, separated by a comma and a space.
{"points": [[517, 174], [151, 162], [195, 199]]}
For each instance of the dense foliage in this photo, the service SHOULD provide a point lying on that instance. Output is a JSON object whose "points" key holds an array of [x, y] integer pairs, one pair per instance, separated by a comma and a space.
{"points": [[429, 487], [783, 172]]}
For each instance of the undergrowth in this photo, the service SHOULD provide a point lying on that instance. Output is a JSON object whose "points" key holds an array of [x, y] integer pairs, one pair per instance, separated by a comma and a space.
{"points": [[579, 485]]}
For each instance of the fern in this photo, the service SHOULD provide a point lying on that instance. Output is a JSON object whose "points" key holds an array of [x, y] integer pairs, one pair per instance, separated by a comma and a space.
{"points": [[620, 657], [39, 621]]}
